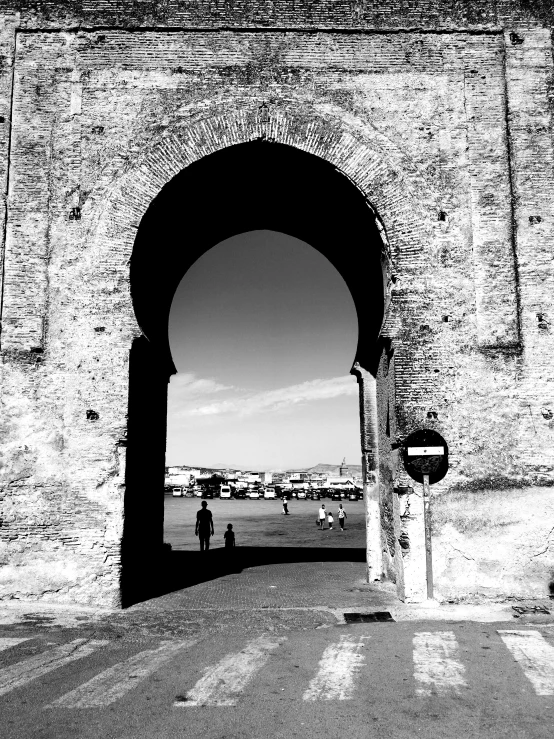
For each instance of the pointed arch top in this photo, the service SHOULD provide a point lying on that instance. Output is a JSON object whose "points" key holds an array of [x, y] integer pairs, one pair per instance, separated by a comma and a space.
{"points": [[401, 196]]}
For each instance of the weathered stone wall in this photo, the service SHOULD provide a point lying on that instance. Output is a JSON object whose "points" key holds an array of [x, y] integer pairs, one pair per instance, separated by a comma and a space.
{"points": [[441, 115]]}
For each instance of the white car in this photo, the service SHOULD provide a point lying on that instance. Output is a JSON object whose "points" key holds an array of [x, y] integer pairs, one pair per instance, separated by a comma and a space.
{"points": [[177, 492], [225, 492], [269, 494], [253, 495]]}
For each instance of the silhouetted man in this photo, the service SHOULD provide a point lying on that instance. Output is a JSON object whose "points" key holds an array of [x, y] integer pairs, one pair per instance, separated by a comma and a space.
{"points": [[204, 526]]}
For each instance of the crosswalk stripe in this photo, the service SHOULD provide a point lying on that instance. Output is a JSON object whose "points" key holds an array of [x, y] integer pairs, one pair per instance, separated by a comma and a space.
{"points": [[116, 681], [222, 683], [337, 666], [437, 668], [21, 673], [535, 655], [7, 642]]}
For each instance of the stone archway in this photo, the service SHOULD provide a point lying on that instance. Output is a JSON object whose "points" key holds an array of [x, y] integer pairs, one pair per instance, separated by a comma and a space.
{"points": [[388, 195], [338, 155]]}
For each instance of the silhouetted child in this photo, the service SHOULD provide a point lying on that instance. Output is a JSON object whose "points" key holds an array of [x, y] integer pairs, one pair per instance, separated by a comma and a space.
{"points": [[229, 536]]}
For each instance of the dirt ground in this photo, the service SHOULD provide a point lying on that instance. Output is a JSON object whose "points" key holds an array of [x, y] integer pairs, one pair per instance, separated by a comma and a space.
{"points": [[259, 523]]}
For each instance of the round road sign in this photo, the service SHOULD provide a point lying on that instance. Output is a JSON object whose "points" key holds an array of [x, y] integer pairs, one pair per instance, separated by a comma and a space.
{"points": [[426, 453]]}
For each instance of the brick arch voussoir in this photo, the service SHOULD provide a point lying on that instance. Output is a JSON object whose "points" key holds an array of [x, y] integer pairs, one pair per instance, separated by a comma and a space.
{"points": [[400, 210], [388, 191]]}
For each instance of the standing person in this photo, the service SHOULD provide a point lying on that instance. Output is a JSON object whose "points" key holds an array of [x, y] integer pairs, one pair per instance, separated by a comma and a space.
{"points": [[331, 520], [229, 536], [342, 516], [204, 526], [322, 513], [285, 507]]}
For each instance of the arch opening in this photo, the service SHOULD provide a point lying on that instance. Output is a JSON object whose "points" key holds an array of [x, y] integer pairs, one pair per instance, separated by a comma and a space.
{"points": [[263, 333], [258, 185]]}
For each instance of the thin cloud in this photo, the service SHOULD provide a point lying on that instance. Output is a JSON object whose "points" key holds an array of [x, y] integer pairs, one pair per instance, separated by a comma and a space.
{"points": [[277, 400], [186, 387]]}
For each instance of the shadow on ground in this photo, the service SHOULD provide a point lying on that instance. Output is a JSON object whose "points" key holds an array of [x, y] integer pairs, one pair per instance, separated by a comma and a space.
{"points": [[180, 570]]}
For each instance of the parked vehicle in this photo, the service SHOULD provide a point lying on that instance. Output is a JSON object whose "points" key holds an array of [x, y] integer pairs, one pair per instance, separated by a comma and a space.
{"points": [[240, 493], [269, 494], [315, 495], [353, 495], [254, 495], [336, 495], [301, 495], [177, 492], [208, 494], [189, 493], [225, 492]]}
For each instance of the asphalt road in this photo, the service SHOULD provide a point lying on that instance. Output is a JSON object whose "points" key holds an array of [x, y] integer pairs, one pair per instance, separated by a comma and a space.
{"points": [[395, 680]]}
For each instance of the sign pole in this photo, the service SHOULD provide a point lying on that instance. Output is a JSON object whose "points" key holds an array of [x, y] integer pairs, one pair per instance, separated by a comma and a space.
{"points": [[427, 523], [426, 460]]}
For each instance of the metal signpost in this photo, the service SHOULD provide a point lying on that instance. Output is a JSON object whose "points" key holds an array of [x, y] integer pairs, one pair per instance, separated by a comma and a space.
{"points": [[426, 461]]}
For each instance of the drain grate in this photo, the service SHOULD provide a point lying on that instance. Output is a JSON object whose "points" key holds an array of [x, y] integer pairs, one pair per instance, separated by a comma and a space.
{"points": [[356, 618], [521, 610]]}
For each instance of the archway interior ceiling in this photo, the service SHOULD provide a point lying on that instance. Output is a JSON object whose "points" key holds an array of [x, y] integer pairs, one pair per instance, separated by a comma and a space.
{"points": [[254, 186]]}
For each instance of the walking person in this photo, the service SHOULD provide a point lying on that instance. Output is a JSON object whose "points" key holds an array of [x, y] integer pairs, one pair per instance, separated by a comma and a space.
{"points": [[321, 515], [229, 537], [204, 526], [331, 520], [285, 507], [342, 516]]}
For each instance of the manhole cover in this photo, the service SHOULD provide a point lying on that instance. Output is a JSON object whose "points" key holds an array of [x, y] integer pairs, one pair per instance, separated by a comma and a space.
{"points": [[356, 618]]}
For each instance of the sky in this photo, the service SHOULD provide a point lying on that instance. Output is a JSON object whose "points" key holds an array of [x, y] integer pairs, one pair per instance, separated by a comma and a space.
{"points": [[263, 333]]}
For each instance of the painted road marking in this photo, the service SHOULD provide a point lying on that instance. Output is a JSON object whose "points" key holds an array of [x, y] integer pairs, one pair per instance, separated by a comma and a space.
{"points": [[34, 667], [6, 643], [437, 669], [224, 682], [113, 683], [535, 655], [337, 667]]}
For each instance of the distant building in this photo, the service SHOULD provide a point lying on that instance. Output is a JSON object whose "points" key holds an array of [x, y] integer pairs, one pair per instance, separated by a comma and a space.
{"points": [[299, 483], [179, 476], [340, 482]]}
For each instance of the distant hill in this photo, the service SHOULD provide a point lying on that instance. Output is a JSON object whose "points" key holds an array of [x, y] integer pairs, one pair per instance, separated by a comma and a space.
{"points": [[331, 470]]}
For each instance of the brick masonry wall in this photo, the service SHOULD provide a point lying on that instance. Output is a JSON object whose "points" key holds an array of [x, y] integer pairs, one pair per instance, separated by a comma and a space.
{"points": [[328, 14], [449, 136]]}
